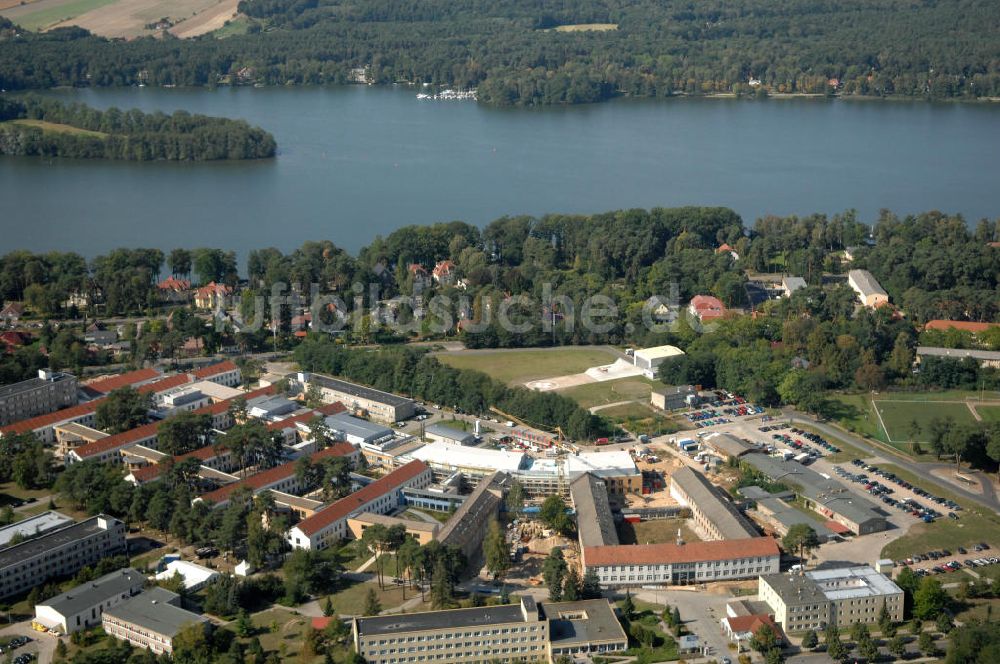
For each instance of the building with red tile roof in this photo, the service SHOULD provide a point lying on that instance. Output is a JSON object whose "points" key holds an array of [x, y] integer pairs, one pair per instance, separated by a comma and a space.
{"points": [[444, 273], [381, 496], [681, 564], [43, 425], [129, 379], [706, 307], [280, 478], [212, 296], [961, 325], [224, 373], [742, 628]]}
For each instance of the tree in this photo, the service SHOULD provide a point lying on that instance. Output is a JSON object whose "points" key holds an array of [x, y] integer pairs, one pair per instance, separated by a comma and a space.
{"points": [[810, 639], [628, 606], [441, 586], [943, 622], [868, 650], [834, 646], [515, 497], [571, 586], [328, 607], [591, 586], [244, 626], [801, 538], [859, 632], [373, 606], [184, 432], [496, 551], [675, 618], [774, 656], [930, 599], [897, 646], [926, 644], [763, 639], [553, 514], [554, 572], [885, 623], [122, 410]]}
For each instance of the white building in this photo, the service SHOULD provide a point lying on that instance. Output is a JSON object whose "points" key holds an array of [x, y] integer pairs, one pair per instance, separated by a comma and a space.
{"points": [[870, 293], [195, 576], [650, 359], [82, 607]]}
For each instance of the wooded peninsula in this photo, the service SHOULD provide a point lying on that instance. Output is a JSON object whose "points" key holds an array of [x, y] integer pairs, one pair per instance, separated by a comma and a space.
{"points": [[33, 126], [530, 53]]}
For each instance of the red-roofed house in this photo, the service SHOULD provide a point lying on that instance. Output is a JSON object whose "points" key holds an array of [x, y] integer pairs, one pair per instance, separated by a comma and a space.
{"points": [[213, 296], [280, 478], [419, 277], [706, 307], [173, 289], [224, 373], [385, 494], [740, 629], [725, 248], [12, 340], [619, 566], [961, 325], [445, 273], [44, 425], [129, 379]]}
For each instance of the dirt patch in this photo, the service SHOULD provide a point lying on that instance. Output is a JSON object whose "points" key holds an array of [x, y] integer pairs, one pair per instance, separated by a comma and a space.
{"points": [[129, 18], [207, 21], [948, 475]]}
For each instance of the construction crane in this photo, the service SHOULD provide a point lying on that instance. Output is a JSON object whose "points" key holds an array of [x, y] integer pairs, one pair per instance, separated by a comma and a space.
{"points": [[524, 423]]}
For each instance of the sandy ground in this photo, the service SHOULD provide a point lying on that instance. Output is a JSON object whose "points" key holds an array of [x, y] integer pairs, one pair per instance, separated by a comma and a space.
{"points": [[128, 18], [619, 369]]}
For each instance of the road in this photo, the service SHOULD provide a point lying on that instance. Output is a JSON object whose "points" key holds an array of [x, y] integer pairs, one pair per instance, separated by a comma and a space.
{"points": [[987, 499]]}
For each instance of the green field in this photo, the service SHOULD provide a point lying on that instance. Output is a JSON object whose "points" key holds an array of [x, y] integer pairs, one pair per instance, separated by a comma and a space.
{"points": [[657, 531], [636, 388], [898, 411], [975, 524], [48, 17], [516, 367], [233, 27], [989, 413]]}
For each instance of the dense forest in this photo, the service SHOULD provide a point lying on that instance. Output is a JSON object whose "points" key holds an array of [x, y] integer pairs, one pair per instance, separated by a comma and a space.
{"points": [[514, 55], [33, 126]]}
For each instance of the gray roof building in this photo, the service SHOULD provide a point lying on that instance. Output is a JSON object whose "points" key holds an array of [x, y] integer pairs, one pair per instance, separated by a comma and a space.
{"points": [[824, 495], [467, 527], [728, 445], [439, 431], [81, 607], [711, 509], [595, 523], [356, 430], [584, 622], [154, 610], [453, 618]]}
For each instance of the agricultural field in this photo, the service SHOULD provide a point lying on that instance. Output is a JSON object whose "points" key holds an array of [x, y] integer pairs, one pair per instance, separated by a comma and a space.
{"points": [[516, 367], [56, 128], [587, 27], [122, 18]]}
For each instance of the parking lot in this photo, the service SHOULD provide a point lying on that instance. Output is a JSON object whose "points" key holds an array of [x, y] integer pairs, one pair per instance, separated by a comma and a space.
{"points": [[40, 646]]}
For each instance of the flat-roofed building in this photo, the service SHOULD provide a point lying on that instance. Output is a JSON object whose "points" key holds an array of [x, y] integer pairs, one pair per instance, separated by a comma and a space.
{"points": [[840, 596], [595, 523], [728, 446], [474, 463], [985, 358], [682, 564], [650, 359], [49, 391], [674, 397], [329, 525], [422, 531], [870, 293], [443, 432], [467, 527], [586, 628], [194, 576], [150, 620], [357, 431], [615, 467], [378, 405], [82, 607], [714, 513], [824, 495], [33, 526], [61, 552]]}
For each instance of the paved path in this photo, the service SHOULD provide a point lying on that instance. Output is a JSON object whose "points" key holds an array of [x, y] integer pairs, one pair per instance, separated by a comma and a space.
{"points": [[596, 409], [987, 499]]}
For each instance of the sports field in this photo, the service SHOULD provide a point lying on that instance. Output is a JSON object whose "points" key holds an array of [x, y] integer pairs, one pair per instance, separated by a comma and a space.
{"points": [[515, 367], [890, 417]]}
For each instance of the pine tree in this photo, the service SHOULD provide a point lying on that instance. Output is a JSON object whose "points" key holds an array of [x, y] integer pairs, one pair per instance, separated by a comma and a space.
{"points": [[372, 605]]}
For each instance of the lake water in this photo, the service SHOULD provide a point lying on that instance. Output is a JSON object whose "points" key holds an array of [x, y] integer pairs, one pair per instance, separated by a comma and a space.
{"points": [[355, 162]]}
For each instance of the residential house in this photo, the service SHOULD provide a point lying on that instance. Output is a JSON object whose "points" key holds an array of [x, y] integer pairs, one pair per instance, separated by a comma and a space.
{"points": [[173, 289], [12, 314], [420, 278], [706, 308], [870, 293], [724, 248], [213, 296], [445, 273]]}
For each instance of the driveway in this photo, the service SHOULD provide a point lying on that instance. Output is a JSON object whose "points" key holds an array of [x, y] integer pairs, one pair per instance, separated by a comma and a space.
{"points": [[700, 611], [43, 645]]}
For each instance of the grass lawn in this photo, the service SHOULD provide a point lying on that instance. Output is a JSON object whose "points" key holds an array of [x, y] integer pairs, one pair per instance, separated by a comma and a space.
{"points": [[981, 609], [350, 601], [519, 366], [636, 388], [989, 413], [9, 492], [437, 516], [976, 524], [658, 531], [233, 27], [57, 128], [352, 555], [664, 648]]}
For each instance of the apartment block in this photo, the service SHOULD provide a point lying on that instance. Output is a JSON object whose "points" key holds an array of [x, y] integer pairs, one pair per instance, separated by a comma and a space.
{"points": [[378, 405], [48, 392]]}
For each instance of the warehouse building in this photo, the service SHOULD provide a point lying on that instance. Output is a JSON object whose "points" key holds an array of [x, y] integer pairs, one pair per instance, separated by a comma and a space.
{"points": [[838, 597], [824, 495], [357, 431], [728, 446], [82, 607], [595, 523], [650, 359], [378, 405], [714, 513], [444, 433], [674, 397]]}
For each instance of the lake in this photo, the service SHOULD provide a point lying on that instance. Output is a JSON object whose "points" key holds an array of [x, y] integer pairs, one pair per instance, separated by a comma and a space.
{"points": [[357, 161]]}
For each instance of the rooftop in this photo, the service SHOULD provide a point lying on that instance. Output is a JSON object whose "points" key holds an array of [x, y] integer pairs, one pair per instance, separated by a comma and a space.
{"points": [[152, 610], [446, 431], [214, 369], [82, 597], [602, 464], [429, 620], [865, 282], [40, 422], [359, 391], [482, 503], [348, 425], [410, 524], [458, 456], [858, 581], [593, 512], [31, 384], [33, 525], [693, 552], [53, 540], [792, 284], [586, 621], [717, 508], [729, 445], [194, 575], [106, 385], [658, 352], [343, 507]]}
